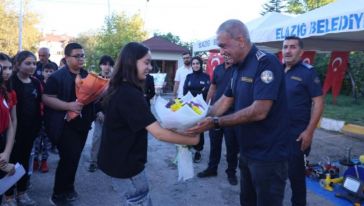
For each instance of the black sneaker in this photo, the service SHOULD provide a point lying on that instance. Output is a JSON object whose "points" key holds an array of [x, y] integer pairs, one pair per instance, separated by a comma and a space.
{"points": [[197, 157], [59, 200], [207, 173], [233, 180], [72, 196]]}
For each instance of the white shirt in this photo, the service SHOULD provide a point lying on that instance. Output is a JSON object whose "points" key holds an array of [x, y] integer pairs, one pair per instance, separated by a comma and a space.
{"points": [[181, 74]]}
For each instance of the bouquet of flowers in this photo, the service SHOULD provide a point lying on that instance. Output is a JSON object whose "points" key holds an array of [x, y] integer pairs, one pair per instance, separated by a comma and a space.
{"points": [[180, 114], [88, 90]]}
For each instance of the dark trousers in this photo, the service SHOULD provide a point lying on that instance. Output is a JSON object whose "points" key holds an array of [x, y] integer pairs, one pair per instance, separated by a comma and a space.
{"points": [[70, 146], [199, 147], [21, 153], [296, 174], [232, 149], [262, 183]]}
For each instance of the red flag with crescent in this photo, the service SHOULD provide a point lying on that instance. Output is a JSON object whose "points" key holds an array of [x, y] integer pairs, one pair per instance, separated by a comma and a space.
{"points": [[280, 57], [308, 57], [213, 60], [336, 72]]}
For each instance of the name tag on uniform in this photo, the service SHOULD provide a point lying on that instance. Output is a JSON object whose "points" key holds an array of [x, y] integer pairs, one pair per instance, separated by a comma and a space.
{"points": [[296, 78], [202, 82], [247, 79]]}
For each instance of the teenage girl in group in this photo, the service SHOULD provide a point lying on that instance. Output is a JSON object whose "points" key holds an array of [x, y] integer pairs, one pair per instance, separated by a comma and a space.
{"points": [[28, 90]]}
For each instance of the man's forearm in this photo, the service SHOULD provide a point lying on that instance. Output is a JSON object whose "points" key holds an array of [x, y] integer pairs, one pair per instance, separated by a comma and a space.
{"points": [[55, 103], [255, 112], [211, 92], [221, 106], [175, 88], [317, 109]]}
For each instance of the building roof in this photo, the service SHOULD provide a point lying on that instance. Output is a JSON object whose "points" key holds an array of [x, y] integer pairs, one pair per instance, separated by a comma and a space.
{"points": [[159, 44], [56, 38]]}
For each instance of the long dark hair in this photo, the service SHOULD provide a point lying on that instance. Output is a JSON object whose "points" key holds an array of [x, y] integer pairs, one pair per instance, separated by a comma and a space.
{"points": [[5, 87], [20, 57], [126, 68]]}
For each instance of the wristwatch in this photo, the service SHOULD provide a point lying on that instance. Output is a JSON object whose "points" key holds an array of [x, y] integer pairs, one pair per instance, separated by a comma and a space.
{"points": [[215, 120]]}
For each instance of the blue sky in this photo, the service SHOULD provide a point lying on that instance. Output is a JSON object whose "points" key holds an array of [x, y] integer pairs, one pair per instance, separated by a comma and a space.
{"points": [[189, 19]]}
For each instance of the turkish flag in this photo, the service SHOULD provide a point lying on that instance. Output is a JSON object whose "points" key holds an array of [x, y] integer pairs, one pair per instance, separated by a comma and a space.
{"points": [[213, 60], [335, 73], [307, 57], [280, 57]]}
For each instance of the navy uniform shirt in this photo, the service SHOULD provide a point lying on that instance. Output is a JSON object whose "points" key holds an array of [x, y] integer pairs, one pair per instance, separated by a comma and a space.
{"points": [[302, 84], [221, 79], [197, 82], [260, 77]]}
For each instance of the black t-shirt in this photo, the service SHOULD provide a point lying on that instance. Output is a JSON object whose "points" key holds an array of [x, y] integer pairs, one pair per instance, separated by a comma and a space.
{"points": [[53, 85], [29, 109], [123, 148]]}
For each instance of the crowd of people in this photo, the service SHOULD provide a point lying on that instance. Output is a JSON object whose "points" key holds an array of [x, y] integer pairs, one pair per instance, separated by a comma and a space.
{"points": [[266, 112]]}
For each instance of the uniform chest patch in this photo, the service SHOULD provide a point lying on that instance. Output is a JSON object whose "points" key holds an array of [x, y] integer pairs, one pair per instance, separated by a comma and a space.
{"points": [[247, 79], [267, 76], [202, 82], [296, 78]]}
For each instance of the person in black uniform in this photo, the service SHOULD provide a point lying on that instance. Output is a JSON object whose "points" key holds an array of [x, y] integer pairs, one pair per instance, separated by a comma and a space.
{"points": [[197, 82], [305, 106], [221, 78], [69, 136], [128, 119], [257, 91]]}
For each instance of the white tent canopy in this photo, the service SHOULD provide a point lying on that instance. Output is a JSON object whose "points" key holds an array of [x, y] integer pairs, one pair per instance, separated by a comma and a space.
{"points": [[338, 26], [264, 21]]}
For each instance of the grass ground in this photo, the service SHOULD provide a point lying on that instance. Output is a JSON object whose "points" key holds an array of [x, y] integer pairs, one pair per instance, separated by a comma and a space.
{"points": [[345, 109]]}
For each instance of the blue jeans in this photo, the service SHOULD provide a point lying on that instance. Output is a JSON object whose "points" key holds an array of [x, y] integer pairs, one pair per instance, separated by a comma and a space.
{"points": [[133, 191], [262, 183]]}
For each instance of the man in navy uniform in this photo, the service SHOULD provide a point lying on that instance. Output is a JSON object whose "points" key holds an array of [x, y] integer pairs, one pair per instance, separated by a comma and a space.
{"points": [[305, 106], [220, 80], [257, 90]]}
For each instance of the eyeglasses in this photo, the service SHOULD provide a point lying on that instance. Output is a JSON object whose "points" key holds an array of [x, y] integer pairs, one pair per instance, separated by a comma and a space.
{"points": [[79, 56]]}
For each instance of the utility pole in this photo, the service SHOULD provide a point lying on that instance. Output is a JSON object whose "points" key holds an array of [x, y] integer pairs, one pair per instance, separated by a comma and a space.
{"points": [[20, 26], [108, 9]]}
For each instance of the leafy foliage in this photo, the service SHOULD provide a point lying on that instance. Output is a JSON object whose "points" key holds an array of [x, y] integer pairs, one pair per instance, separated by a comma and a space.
{"points": [[117, 31], [302, 6], [273, 6], [9, 28]]}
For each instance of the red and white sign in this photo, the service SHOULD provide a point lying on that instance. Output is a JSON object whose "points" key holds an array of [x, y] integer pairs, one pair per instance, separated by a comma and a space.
{"points": [[213, 60]]}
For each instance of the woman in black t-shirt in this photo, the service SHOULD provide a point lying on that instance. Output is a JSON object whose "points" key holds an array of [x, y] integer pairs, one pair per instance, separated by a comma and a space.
{"points": [[128, 119], [28, 92]]}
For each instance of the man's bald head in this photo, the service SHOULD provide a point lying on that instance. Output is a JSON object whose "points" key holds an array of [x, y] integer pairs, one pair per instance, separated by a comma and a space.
{"points": [[43, 54], [234, 28]]}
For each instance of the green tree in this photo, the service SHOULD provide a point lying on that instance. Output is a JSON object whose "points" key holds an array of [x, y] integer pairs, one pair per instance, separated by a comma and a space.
{"points": [[9, 28], [118, 31], [89, 43], [302, 6], [273, 6]]}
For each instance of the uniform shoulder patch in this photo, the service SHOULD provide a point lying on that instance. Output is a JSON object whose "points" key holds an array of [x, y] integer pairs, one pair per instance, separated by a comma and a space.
{"points": [[260, 54], [308, 66]]}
